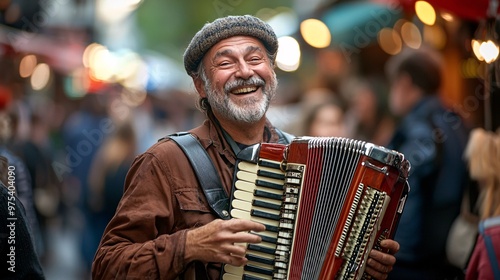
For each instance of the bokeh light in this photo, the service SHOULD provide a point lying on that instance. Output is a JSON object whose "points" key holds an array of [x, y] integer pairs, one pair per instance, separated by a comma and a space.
{"points": [[40, 76], [447, 16], [288, 56], [475, 48], [411, 35], [470, 68], [27, 65], [284, 21], [425, 12], [389, 41], [489, 51], [119, 9], [315, 33], [103, 64], [89, 53]]}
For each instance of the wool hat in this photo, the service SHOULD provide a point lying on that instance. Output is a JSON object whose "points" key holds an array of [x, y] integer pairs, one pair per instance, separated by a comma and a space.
{"points": [[224, 28]]}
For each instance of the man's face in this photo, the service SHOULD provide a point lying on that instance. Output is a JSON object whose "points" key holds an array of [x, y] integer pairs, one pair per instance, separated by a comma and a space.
{"points": [[240, 81]]}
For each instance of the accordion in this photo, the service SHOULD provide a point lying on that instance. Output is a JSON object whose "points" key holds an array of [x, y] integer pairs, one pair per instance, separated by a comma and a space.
{"points": [[325, 202]]}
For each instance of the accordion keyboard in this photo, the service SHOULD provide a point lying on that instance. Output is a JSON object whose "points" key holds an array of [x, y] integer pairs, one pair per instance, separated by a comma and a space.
{"points": [[258, 197]]}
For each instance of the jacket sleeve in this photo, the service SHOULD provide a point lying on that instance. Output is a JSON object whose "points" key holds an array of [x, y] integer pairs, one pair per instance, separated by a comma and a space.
{"points": [[141, 241]]}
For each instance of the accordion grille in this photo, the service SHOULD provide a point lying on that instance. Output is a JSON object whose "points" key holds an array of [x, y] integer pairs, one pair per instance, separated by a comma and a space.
{"points": [[322, 200]]}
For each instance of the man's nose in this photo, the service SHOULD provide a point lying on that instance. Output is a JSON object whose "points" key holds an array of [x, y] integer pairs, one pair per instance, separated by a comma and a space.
{"points": [[245, 71]]}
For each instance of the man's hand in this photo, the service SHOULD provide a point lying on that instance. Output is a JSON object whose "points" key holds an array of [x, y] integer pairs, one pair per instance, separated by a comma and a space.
{"points": [[215, 241], [379, 264]]}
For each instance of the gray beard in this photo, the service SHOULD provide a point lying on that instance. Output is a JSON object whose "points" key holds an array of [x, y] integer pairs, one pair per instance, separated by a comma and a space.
{"points": [[249, 110]]}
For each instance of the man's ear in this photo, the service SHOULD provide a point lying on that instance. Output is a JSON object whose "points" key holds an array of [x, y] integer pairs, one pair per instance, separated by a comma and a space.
{"points": [[200, 87]]}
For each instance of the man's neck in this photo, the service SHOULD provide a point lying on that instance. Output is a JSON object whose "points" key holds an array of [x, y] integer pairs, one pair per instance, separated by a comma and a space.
{"points": [[244, 133]]}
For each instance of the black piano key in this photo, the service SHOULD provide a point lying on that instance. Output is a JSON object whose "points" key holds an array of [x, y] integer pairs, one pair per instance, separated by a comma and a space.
{"points": [[266, 238], [260, 259], [270, 185], [268, 195], [267, 205], [273, 165], [250, 277], [262, 249], [262, 214], [268, 174], [271, 228], [253, 268]]}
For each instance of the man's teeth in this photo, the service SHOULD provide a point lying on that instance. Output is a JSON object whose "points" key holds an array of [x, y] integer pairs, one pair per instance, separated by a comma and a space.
{"points": [[245, 90]]}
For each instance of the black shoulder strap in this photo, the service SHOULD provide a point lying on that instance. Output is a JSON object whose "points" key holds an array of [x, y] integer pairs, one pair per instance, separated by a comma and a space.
{"points": [[205, 171]]}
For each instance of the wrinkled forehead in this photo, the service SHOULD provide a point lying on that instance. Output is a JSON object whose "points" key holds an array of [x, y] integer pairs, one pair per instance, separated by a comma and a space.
{"points": [[234, 46]]}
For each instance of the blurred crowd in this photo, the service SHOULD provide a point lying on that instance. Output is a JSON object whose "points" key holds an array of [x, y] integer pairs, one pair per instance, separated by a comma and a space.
{"points": [[71, 160]]}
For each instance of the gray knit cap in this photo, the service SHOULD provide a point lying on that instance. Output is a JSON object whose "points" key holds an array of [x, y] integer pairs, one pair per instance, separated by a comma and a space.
{"points": [[223, 28]]}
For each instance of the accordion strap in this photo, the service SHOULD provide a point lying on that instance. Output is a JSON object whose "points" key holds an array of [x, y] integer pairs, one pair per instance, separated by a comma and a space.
{"points": [[207, 175]]}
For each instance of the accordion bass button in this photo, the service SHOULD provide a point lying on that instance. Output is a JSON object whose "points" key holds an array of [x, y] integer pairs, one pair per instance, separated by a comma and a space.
{"points": [[225, 213]]}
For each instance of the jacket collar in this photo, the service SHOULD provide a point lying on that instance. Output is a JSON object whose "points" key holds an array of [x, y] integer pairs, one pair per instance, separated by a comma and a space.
{"points": [[211, 133]]}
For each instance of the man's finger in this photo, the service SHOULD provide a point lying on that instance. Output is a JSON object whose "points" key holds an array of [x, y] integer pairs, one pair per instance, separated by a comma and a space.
{"points": [[376, 274], [391, 245], [244, 225], [383, 258]]}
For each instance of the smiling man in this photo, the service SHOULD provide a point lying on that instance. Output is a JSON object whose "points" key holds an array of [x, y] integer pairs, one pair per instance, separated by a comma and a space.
{"points": [[164, 226]]}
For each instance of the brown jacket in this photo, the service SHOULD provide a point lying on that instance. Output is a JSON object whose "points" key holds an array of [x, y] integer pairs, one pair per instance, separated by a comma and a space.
{"points": [[162, 200]]}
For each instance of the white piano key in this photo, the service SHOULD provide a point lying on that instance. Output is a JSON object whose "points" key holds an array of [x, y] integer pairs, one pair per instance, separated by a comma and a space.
{"points": [[229, 276], [241, 204], [238, 271]]}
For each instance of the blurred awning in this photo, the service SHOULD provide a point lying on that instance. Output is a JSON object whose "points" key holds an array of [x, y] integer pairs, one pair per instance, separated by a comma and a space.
{"points": [[356, 24], [64, 56], [467, 9]]}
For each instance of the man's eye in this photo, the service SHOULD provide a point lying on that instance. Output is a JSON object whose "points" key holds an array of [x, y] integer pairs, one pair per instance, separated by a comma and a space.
{"points": [[255, 59]]}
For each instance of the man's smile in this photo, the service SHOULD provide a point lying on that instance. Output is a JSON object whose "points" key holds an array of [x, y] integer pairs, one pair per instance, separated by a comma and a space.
{"points": [[245, 90]]}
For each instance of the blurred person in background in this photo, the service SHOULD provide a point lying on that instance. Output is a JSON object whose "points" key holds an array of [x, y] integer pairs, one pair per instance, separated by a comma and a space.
{"points": [[368, 115], [164, 227], [302, 113], [483, 158], [35, 151], [18, 256], [83, 133], [106, 180], [433, 139], [327, 118], [23, 186]]}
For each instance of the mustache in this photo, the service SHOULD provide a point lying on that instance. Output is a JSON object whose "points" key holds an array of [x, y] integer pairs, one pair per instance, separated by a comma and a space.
{"points": [[253, 81]]}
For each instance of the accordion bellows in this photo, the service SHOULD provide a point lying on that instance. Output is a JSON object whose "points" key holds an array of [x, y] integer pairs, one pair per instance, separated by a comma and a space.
{"points": [[325, 202]]}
